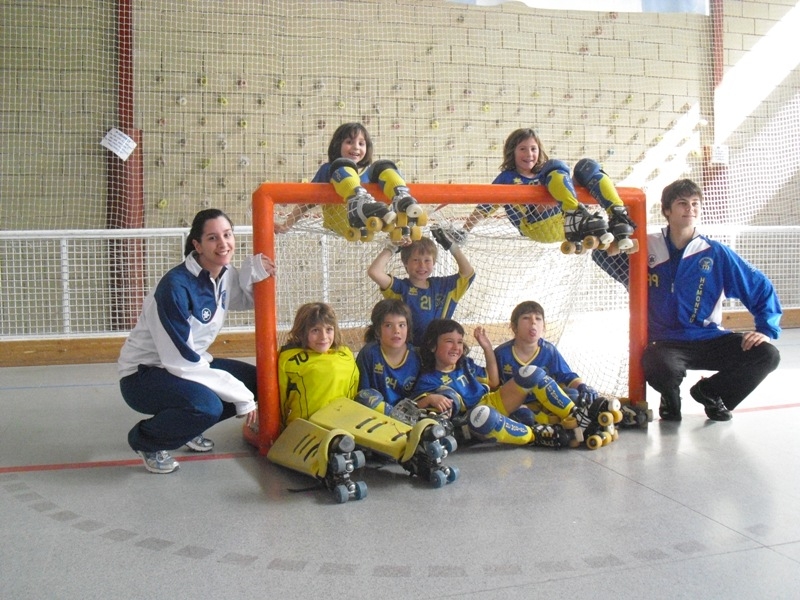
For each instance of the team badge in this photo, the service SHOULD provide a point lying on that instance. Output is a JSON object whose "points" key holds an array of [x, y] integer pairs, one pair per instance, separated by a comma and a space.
{"points": [[706, 264], [206, 315]]}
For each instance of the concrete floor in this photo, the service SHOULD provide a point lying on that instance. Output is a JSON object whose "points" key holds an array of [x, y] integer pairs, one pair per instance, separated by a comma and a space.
{"points": [[697, 509]]}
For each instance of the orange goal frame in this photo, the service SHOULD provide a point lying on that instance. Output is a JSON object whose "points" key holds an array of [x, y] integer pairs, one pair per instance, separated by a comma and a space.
{"points": [[266, 333]]}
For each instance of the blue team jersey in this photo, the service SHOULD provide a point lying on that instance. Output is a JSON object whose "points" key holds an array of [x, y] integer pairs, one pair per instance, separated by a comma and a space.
{"points": [[685, 296], [547, 357], [437, 301], [469, 380], [519, 213], [394, 382]]}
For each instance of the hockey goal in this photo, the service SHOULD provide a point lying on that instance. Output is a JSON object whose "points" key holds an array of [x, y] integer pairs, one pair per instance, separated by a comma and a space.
{"points": [[599, 326]]}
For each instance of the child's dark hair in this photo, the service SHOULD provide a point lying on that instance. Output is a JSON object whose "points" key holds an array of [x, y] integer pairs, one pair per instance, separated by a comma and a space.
{"points": [[345, 131], [384, 308], [427, 349], [510, 146], [682, 188], [421, 246], [198, 224], [308, 316], [524, 308]]}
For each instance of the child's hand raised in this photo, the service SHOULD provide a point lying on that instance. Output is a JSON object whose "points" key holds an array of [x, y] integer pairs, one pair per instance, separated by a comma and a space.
{"points": [[482, 338]]}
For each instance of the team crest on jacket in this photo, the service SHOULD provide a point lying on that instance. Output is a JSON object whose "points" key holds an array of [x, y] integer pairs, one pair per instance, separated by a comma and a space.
{"points": [[651, 260], [706, 264], [206, 315]]}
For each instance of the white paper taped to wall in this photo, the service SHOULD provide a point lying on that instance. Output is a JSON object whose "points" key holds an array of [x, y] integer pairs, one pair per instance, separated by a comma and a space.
{"points": [[119, 143]]}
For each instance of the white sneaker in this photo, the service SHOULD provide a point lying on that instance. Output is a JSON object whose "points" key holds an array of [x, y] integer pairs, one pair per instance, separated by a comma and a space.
{"points": [[158, 462], [200, 444]]}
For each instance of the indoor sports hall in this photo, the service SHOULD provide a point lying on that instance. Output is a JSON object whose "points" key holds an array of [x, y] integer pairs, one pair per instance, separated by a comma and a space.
{"points": [[120, 121]]}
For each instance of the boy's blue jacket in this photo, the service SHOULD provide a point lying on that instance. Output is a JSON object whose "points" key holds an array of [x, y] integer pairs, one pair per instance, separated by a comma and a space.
{"points": [[685, 302]]}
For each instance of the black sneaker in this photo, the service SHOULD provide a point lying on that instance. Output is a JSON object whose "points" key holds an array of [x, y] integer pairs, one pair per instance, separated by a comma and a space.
{"points": [[667, 412], [715, 408]]}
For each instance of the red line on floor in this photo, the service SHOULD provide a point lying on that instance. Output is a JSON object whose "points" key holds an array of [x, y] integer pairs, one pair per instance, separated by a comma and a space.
{"points": [[117, 463]]}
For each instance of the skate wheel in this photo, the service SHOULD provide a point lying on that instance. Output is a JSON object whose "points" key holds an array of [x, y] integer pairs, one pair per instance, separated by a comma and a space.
{"points": [[422, 219], [625, 244], [452, 474], [434, 450], [634, 248], [338, 464], [615, 436], [590, 242], [607, 438], [361, 490], [568, 247], [346, 444], [341, 494], [604, 419], [414, 211], [617, 416], [449, 443], [569, 423], [374, 224], [358, 458], [438, 479], [368, 236], [352, 235], [396, 234], [416, 233], [402, 220], [593, 442]]}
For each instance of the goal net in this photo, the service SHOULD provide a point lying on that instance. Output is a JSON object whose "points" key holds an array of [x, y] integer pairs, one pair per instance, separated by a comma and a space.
{"points": [[597, 324]]}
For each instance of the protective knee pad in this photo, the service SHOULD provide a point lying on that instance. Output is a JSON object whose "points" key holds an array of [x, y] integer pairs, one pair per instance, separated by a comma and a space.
{"points": [[551, 396], [341, 163], [378, 167], [529, 376], [555, 175], [373, 399], [524, 415], [589, 174], [487, 422]]}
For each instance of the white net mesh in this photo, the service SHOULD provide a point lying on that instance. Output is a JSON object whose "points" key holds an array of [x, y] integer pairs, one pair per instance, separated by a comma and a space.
{"points": [[221, 96]]}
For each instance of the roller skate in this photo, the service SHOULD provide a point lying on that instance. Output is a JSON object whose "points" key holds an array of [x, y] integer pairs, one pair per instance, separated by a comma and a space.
{"points": [[420, 448], [595, 425], [410, 215], [427, 447], [635, 415], [585, 231], [365, 215], [330, 456], [621, 226], [406, 411]]}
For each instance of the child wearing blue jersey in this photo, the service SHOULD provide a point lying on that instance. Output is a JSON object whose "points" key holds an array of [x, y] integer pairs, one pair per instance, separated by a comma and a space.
{"points": [[452, 382], [525, 162], [529, 347], [349, 165], [428, 297], [388, 365]]}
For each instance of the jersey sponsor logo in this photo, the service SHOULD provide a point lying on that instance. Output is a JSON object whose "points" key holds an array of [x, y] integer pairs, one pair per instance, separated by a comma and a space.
{"points": [[205, 315], [706, 264], [378, 369]]}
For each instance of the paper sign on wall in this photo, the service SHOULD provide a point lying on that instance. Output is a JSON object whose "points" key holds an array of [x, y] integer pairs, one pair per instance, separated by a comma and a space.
{"points": [[119, 143]]}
